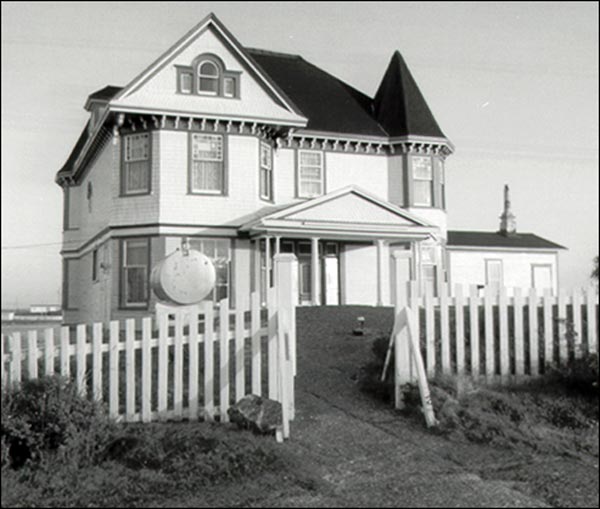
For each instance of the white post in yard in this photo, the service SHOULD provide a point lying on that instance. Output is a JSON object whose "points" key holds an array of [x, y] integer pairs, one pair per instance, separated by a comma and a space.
{"points": [[287, 297], [380, 271], [315, 272], [402, 358]]}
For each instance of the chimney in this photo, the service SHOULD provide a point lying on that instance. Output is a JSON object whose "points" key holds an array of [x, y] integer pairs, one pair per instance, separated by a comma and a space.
{"points": [[508, 221]]}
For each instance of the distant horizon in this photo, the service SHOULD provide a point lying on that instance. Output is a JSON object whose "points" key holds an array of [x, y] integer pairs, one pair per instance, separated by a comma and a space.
{"points": [[514, 86]]}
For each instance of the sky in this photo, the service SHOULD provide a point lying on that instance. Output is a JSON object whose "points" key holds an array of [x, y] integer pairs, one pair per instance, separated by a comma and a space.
{"points": [[514, 86]]}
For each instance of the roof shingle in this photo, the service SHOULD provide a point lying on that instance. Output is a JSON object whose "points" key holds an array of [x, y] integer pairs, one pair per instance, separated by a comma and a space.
{"points": [[496, 239]]}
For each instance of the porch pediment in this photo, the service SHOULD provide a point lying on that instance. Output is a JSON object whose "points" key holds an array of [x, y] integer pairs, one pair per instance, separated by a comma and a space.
{"points": [[349, 210]]}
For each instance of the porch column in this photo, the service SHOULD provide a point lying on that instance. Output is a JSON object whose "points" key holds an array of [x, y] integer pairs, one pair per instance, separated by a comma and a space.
{"points": [[380, 271], [277, 245], [315, 272]]}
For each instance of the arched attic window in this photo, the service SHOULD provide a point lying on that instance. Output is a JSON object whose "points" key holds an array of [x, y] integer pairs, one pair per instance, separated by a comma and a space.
{"points": [[207, 75]]}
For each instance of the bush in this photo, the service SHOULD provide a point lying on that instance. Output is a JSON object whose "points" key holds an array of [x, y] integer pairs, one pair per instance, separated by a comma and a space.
{"points": [[370, 374], [580, 375], [48, 415]]}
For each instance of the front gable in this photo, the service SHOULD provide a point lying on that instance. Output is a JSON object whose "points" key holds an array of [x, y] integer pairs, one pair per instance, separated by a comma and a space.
{"points": [[256, 98]]}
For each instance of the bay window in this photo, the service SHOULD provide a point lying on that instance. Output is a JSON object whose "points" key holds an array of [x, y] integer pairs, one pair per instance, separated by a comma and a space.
{"points": [[135, 177], [422, 181], [266, 171], [207, 171], [135, 262]]}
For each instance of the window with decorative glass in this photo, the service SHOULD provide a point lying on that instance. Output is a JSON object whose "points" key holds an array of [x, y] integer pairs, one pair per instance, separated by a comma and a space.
{"points": [[136, 164], [134, 282], [422, 181], [310, 173], [207, 166], [218, 250], [266, 171]]}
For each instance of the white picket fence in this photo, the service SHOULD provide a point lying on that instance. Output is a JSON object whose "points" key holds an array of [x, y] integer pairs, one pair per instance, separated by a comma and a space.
{"points": [[186, 365], [496, 337]]}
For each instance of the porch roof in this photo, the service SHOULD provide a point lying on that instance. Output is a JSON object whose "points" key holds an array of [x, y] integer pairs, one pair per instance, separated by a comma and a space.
{"points": [[347, 213]]}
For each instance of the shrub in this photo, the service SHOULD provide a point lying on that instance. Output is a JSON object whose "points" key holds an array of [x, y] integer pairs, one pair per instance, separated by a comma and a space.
{"points": [[370, 374], [48, 414]]}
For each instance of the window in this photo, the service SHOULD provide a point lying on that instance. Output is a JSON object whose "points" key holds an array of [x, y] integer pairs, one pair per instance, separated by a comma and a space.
{"points": [[208, 78], [207, 166], [429, 269], [493, 273], [229, 87], [422, 181], [310, 174], [186, 80], [134, 275], [439, 164], [542, 277], [95, 265], [136, 164], [266, 171], [218, 250]]}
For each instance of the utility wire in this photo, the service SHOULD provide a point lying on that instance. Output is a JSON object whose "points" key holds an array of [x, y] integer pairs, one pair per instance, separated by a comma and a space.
{"points": [[29, 246]]}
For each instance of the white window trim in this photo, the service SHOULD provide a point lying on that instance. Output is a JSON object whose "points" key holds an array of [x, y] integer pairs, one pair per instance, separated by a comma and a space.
{"points": [[125, 267], [321, 168], [127, 160], [267, 168], [216, 192], [217, 78], [417, 179]]}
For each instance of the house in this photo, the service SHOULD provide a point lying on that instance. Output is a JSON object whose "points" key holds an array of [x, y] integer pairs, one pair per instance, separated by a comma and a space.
{"points": [[248, 153]]}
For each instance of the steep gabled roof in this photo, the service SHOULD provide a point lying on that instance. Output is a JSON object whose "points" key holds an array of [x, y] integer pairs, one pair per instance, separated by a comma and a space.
{"points": [[70, 162], [329, 104], [400, 107], [496, 239]]}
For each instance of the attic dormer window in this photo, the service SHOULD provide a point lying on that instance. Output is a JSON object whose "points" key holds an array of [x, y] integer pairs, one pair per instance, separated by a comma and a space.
{"points": [[207, 75], [208, 78]]}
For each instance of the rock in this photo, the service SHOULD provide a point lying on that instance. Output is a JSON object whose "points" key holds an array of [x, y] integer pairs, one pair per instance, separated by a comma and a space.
{"points": [[262, 415]]}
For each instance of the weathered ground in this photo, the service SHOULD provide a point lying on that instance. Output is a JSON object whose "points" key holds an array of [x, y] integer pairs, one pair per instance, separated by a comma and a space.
{"points": [[350, 450]]}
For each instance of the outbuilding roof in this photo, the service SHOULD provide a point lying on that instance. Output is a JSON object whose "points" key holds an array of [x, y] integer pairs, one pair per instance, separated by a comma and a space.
{"points": [[496, 239]]}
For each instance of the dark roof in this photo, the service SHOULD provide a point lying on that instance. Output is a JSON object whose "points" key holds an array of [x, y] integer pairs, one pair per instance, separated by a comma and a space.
{"points": [[496, 239], [400, 107], [329, 104], [105, 94], [68, 166]]}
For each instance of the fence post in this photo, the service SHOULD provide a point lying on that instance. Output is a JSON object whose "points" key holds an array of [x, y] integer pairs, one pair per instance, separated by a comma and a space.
{"points": [[286, 270], [402, 357]]}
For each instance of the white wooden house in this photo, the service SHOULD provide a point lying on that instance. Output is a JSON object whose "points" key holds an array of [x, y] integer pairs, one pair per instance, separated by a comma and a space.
{"points": [[248, 153]]}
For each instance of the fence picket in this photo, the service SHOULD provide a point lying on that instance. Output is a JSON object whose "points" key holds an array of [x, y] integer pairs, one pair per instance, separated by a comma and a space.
{"points": [[445, 328], [591, 320], [489, 333], [460, 329], [65, 353], [503, 318], [16, 358], [178, 366], [563, 346], [209, 359], [163, 364], [474, 329], [576, 307], [518, 333], [256, 347], [548, 330], [32, 354], [113, 367], [129, 369], [534, 337], [429, 331], [48, 352], [146, 369], [240, 370], [193, 364], [224, 360], [97, 361], [81, 359], [414, 305]]}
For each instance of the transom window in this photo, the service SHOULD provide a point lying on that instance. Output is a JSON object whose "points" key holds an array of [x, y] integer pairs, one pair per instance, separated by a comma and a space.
{"points": [[134, 282], [310, 173], [136, 164], [207, 164], [266, 171], [422, 181]]}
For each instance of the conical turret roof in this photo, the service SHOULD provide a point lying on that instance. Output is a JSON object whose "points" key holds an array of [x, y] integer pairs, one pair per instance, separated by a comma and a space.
{"points": [[399, 106]]}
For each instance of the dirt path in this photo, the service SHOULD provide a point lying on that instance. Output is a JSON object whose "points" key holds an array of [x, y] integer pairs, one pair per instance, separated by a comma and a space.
{"points": [[359, 448]]}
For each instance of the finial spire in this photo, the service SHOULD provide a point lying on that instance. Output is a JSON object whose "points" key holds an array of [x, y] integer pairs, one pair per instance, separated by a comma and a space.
{"points": [[508, 221]]}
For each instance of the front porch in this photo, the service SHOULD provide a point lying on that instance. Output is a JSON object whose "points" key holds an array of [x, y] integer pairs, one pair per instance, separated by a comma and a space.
{"points": [[343, 242]]}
